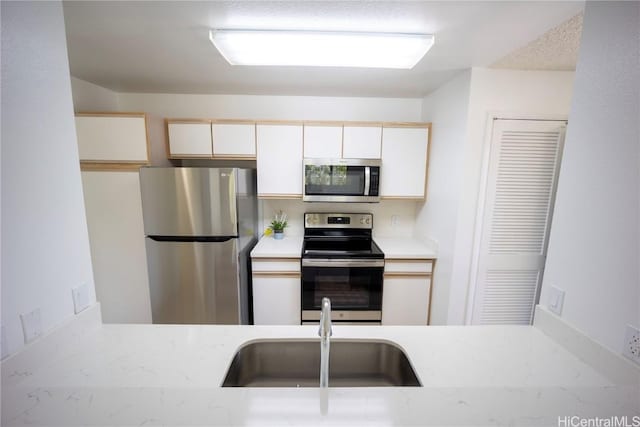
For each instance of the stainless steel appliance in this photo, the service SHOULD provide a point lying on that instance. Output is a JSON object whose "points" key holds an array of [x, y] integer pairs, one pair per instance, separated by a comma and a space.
{"points": [[200, 224], [341, 180], [341, 261]]}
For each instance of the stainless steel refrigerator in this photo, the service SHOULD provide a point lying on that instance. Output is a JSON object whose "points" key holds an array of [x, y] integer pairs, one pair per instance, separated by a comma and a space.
{"points": [[200, 225]]}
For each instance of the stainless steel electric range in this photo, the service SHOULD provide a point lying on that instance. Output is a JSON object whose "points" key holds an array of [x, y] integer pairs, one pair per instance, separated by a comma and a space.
{"points": [[341, 261]]}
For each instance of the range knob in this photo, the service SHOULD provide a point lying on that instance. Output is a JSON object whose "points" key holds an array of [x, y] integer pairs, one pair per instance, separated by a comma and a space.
{"points": [[367, 220]]}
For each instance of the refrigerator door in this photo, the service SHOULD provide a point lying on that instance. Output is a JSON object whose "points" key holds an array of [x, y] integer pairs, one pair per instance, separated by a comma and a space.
{"points": [[189, 201], [194, 282]]}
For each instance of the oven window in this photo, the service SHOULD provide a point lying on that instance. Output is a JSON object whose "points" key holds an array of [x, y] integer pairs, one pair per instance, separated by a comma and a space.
{"points": [[334, 180], [347, 288]]}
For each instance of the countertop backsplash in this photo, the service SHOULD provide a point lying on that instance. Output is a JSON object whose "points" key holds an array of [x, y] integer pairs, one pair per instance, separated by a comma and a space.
{"points": [[391, 218]]}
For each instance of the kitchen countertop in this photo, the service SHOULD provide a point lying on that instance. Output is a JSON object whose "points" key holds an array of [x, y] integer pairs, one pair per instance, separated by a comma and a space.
{"points": [[268, 247], [393, 247], [402, 247], [171, 375]]}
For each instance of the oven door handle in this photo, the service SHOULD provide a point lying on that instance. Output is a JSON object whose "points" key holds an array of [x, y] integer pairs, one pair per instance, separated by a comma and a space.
{"points": [[332, 262]]}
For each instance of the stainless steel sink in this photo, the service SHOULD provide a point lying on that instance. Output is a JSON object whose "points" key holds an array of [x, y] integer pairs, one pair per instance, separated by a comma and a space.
{"points": [[296, 363]]}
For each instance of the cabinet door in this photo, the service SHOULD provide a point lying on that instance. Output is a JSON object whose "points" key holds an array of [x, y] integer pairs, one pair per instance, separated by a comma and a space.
{"points": [[279, 161], [276, 300], [323, 142], [405, 300], [234, 140], [362, 142], [404, 163], [190, 140], [118, 254], [112, 138]]}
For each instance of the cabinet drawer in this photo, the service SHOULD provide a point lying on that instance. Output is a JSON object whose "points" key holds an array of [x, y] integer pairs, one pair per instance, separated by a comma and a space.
{"points": [[408, 266], [275, 265]]}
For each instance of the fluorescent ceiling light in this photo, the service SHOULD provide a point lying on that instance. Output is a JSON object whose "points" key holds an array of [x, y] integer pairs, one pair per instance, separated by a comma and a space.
{"points": [[321, 49]]}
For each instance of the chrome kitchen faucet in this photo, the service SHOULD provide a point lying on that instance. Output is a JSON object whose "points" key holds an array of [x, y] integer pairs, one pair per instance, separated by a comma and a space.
{"points": [[325, 332]]}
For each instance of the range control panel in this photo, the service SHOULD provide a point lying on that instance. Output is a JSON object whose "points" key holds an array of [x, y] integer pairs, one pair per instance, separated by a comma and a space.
{"points": [[339, 220]]}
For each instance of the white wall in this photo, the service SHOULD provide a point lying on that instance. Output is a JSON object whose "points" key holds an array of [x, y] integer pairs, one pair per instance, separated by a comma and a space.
{"points": [[382, 213], [273, 107], [91, 97], [116, 232], [447, 109], [45, 246], [594, 248]]}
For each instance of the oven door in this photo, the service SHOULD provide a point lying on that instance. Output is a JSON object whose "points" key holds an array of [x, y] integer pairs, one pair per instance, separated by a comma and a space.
{"points": [[354, 287]]}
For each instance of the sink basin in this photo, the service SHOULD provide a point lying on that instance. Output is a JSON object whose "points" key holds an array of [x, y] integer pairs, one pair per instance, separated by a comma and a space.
{"points": [[296, 363]]}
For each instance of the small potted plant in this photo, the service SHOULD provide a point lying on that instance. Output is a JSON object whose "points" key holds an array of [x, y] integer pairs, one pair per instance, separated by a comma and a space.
{"points": [[278, 225]]}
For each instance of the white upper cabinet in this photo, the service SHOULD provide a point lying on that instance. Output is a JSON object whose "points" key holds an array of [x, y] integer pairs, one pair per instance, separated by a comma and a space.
{"points": [[404, 162], [112, 138], [362, 142], [279, 160], [190, 139], [234, 140], [323, 142], [338, 142]]}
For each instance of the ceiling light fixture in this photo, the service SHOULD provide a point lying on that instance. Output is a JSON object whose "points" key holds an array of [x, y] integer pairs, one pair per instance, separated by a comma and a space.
{"points": [[320, 48]]}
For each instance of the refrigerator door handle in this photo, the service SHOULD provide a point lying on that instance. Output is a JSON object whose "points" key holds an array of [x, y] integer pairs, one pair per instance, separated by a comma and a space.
{"points": [[204, 239]]}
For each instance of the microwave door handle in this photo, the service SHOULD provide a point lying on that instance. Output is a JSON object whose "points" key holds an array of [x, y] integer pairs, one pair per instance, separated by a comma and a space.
{"points": [[367, 180]]}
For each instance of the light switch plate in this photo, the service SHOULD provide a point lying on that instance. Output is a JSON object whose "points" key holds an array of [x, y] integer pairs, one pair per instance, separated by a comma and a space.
{"points": [[80, 298], [556, 300], [31, 325]]}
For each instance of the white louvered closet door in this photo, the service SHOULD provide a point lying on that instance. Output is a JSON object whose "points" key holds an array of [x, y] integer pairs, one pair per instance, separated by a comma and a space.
{"points": [[523, 169]]}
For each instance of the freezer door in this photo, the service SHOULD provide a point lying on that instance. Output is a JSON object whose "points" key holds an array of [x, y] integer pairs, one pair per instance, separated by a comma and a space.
{"points": [[194, 282], [189, 201]]}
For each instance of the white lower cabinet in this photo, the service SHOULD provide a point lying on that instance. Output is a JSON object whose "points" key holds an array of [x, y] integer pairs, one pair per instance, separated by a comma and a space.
{"points": [[406, 292], [276, 291]]}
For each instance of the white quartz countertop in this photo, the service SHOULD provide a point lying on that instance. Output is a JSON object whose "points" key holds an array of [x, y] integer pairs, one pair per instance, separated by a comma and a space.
{"points": [[393, 247], [268, 247], [400, 247], [171, 374]]}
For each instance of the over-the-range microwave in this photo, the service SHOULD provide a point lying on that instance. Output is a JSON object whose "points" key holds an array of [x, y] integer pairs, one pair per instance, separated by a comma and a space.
{"points": [[341, 180]]}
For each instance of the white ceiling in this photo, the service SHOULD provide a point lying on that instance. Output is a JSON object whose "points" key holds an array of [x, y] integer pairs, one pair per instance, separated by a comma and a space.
{"points": [[557, 49], [164, 46]]}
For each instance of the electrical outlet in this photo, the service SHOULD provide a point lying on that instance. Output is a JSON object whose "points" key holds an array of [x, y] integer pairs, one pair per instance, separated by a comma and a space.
{"points": [[395, 220], [556, 300], [632, 344], [31, 325], [80, 298]]}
